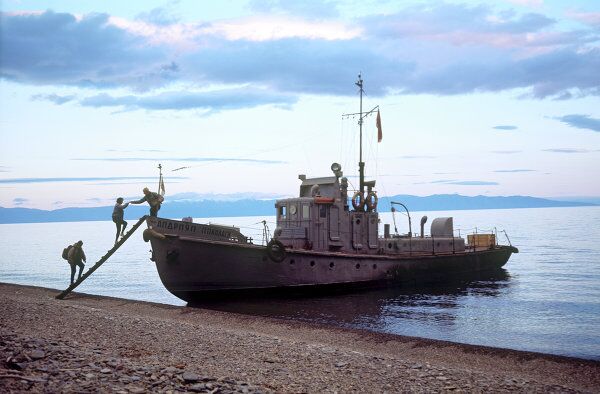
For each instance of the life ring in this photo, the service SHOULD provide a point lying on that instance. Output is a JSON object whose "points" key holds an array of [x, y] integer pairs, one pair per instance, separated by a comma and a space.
{"points": [[276, 250], [358, 201], [372, 201], [149, 234]]}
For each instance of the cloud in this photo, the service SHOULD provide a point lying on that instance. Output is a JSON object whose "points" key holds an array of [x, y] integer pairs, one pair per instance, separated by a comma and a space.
{"points": [[581, 122], [473, 183], [54, 98], [193, 196], [181, 159], [517, 170], [436, 48], [443, 181], [61, 49], [506, 152], [4, 169], [137, 150], [213, 101], [82, 179], [20, 201], [566, 150], [158, 16], [167, 180], [319, 8], [416, 157], [528, 3], [505, 127], [590, 18], [457, 182]]}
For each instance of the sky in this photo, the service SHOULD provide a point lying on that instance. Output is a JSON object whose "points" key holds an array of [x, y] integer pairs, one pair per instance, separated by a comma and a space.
{"points": [[236, 98]]}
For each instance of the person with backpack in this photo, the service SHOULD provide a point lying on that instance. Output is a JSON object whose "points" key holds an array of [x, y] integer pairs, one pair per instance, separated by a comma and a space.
{"points": [[117, 217], [76, 257], [153, 199]]}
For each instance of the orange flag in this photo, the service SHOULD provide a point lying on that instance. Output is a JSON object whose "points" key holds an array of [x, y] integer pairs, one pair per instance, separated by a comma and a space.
{"points": [[378, 124]]}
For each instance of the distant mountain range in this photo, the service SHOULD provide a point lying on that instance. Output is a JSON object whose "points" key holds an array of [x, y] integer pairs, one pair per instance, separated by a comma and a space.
{"points": [[251, 207]]}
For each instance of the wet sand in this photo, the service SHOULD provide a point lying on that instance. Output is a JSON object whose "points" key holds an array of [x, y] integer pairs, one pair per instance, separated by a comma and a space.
{"points": [[90, 343]]}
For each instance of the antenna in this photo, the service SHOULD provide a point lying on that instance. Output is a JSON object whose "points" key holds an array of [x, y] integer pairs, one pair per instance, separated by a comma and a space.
{"points": [[361, 164], [361, 116]]}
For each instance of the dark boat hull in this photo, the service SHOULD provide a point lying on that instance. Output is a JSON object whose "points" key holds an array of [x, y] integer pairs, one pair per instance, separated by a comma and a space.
{"points": [[192, 268]]}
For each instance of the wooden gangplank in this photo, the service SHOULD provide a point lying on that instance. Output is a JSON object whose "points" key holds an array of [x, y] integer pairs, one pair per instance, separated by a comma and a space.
{"points": [[103, 259]]}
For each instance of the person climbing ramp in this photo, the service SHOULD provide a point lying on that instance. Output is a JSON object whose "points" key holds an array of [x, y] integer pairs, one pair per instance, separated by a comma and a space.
{"points": [[117, 217], [153, 199]]}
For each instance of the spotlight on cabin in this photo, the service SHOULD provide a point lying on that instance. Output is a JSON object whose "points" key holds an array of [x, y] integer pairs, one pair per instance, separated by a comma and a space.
{"points": [[337, 170]]}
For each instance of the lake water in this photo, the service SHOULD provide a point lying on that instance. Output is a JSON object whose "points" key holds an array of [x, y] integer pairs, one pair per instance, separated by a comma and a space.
{"points": [[546, 299]]}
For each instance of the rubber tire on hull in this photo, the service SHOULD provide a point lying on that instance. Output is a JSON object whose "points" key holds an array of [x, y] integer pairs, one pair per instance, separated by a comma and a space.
{"points": [[276, 250]]}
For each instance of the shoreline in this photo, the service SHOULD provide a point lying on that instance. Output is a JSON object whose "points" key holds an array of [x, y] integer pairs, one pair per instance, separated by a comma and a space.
{"points": [[90, 342]]}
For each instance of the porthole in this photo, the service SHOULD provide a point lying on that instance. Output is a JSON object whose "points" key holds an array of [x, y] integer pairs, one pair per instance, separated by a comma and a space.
{"points": [[331, 265], [357, 221], [357, 265], [292, 261], [312, 263], [374, 266], [389, 246], [438, 244]]}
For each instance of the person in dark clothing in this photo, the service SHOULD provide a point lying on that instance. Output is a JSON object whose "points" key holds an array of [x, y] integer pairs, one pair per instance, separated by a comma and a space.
{"points": [[153, 199], [117, 217], [76, 257]]}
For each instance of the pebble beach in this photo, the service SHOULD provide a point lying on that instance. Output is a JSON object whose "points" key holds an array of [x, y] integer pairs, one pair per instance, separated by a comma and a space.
{"points": [[89, 343]]}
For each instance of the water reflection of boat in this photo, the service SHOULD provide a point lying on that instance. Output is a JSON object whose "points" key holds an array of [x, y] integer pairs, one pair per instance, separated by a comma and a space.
{"points": [[323, 239], [368, 307]]}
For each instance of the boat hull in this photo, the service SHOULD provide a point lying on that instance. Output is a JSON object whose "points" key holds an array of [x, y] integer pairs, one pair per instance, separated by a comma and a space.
{"points": [[192, 268]]}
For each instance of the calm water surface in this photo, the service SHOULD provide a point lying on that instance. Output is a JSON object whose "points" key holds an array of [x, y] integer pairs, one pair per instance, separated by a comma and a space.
{"points": [[546, 299]]}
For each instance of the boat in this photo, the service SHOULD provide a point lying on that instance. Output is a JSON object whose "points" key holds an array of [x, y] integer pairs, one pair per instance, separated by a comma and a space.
{"points": [[324, 240]]}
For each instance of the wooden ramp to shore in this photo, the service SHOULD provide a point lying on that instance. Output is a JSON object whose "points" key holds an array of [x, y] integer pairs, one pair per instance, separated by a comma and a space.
{"points": [[102, 260]]}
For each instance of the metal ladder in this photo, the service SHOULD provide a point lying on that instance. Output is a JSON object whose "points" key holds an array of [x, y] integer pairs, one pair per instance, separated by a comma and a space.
{"points": [[102, 260]]}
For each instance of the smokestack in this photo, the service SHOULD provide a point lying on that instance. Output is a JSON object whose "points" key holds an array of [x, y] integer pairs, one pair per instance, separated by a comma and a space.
{"points": [[423, 220]]}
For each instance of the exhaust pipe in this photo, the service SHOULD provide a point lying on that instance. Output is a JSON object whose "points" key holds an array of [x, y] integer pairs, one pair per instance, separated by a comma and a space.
{"points": [[423, 220]]}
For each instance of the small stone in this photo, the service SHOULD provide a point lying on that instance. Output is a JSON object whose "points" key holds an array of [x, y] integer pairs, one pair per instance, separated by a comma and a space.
{"points": [[105, 370], [37, 354], [136, 390], [341, 364], [190, 377], [417, 366], [90, 376], [198, 387]]}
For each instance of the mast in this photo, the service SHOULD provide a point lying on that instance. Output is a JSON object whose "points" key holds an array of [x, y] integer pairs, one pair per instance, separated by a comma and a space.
{"points": [[159, 177], [361, 164], [361, 116]]}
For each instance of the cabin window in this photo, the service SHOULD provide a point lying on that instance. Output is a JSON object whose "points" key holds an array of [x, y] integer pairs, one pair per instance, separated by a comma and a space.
{"points": [[305, 212], [322, 211], [282, 212], [293, 211]]}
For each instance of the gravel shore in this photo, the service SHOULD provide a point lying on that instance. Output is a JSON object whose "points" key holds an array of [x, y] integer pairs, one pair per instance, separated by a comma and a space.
{"points": [[97, 344]]}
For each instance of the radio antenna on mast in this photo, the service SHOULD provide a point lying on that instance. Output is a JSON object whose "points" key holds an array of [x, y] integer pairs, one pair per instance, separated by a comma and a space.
{"points": [[361, 116]]}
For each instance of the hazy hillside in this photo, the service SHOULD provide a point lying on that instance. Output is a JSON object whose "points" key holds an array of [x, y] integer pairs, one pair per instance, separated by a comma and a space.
{"points": [[249, 207]]}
